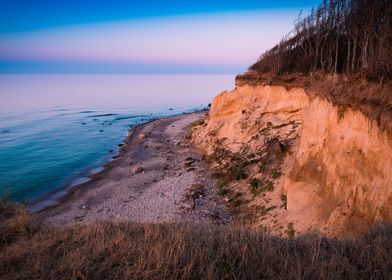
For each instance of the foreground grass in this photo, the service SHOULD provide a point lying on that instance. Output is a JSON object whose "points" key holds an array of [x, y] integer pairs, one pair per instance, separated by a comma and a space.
{"points": [[30, 250]]}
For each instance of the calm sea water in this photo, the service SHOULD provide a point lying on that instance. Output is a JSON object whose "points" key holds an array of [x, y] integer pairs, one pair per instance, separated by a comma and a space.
{"points": [[56, 130]]}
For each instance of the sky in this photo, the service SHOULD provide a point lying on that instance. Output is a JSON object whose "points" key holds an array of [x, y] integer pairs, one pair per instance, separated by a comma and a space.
{"points": [[141, 37]]}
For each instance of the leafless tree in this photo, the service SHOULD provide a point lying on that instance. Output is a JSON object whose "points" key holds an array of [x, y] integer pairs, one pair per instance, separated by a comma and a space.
{"points": [[338, 36]]}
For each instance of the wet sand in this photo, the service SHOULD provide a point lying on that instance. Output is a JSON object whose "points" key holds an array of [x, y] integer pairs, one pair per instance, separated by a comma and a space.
{"points": [[157, 177]]}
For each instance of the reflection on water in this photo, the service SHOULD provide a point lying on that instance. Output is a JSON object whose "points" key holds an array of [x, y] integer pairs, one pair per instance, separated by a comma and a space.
{"points": [[56, 129]]}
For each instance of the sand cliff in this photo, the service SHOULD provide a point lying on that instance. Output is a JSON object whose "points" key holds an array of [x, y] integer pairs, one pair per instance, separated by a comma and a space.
{"points": [[295, 162]]}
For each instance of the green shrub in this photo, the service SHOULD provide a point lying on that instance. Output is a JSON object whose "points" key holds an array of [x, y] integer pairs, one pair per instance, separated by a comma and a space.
{"points": [[240, 174], [223, 191], [275, 173], [236, 202], [269, 186], [265, 210], [283, 198]]}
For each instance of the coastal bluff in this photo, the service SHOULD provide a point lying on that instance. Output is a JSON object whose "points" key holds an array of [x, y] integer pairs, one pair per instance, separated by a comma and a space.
{"points": [[296, 160]]}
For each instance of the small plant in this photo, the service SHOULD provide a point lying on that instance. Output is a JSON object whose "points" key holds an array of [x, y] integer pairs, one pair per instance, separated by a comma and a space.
{"points": [[223, 182], [275, 173], [263, 167], [290, 230], [240, 174], [283, 198], [254, 182], [265, 210], [223, 191], [254, 186], [238, 194], [254, 190], [217, 174], [269, 186], [243, 164], [264, 130], [250, 156], [236, 202]]}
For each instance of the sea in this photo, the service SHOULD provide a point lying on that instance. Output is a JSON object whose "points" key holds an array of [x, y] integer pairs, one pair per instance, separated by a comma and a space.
{"points": [[58, 130]]}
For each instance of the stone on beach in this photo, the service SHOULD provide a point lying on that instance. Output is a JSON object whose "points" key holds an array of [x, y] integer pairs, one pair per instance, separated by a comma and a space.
{"points": [[136, 170], [141, 136]]}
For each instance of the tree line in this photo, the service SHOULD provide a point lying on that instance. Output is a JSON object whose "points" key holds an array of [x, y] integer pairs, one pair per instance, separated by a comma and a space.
{"points": [[339, 36]]}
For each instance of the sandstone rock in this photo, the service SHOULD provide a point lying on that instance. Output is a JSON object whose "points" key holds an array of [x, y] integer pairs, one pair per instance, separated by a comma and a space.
{"points": [[136, 170], [141, 136]]}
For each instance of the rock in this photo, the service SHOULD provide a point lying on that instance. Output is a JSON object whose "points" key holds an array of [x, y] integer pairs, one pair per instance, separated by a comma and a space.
{"points": [[136, 170], [141, 136], [226, 199], [187, 205], [120, 145]]}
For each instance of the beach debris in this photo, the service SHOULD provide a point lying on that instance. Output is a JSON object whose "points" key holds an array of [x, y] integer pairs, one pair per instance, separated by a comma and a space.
{"points": [[83, 123], [101, 130], [136, 170], [141, 136]]}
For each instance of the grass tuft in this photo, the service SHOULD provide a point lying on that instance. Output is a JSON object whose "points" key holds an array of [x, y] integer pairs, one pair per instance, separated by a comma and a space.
{"points": [[109, 250]]}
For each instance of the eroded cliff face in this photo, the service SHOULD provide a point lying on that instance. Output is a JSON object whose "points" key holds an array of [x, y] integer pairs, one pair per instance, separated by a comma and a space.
{"points": [[295, 163]]}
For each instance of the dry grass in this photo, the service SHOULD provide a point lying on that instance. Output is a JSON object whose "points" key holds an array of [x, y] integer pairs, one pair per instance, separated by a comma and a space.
{"points": [[108, 250]]}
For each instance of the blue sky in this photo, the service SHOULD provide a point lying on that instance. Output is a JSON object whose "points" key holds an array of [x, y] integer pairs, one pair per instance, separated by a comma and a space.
{"points": [[140, 36]]}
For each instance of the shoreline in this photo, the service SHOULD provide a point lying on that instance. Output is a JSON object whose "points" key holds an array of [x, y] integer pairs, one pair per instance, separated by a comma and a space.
{"points": [[58, 196], [133, 152]]}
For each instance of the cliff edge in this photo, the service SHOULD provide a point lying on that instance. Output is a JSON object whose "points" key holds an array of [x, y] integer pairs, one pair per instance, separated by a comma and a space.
{"points": [[292, 159]]}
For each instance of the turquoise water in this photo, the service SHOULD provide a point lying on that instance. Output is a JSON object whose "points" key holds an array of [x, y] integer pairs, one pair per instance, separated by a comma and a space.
{"points": [[57, 130]]}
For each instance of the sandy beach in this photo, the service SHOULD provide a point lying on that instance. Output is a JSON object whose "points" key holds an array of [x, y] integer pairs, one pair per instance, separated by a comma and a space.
{"points": [[157, 177]]}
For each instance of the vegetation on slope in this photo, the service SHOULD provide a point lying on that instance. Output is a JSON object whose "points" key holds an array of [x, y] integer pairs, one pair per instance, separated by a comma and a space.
{"points": [[29, 250], [340, 36]]}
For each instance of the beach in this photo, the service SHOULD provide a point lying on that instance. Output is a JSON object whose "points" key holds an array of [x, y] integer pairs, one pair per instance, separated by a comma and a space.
{"points": [[157, 177]]}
